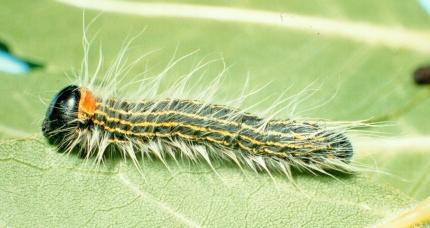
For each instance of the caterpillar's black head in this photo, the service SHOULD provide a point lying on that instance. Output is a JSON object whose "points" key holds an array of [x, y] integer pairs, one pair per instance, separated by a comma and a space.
{"points": [[62, 114]]}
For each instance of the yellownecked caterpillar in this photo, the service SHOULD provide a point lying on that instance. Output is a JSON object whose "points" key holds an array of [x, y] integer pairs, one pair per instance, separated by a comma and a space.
{"points": [[77, 118], [90, 116]]}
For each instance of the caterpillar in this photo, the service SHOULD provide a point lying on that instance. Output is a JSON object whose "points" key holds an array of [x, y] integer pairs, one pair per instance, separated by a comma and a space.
{"points": [[90, 117], [76, 117]]}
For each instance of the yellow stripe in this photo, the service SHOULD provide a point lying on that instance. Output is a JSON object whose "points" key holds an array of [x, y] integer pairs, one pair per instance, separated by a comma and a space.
{"points": [[202, 129], [254, 151], [117, 141], [189, 137], [279, 154], [271, 143], [166, 113], [156, 134], [240, 145], [165, 124], [167, 100], [251, 150], [196, 116]]}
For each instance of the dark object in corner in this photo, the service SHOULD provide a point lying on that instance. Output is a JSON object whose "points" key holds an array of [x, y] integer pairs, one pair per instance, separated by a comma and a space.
{"points": [[4, 47], [13, 64], [422, 75]]}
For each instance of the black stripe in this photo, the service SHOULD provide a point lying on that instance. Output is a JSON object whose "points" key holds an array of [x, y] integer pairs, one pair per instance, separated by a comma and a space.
{"points": [[304, 140]]}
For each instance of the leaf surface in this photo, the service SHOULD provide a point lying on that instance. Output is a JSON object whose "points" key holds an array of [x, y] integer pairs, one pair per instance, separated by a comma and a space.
{"points": [[353, 81], [57, 189]]}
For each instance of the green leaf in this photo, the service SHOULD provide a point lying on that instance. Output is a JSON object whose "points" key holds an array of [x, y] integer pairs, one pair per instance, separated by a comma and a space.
{"points": [[43, 188], [40, 187]]}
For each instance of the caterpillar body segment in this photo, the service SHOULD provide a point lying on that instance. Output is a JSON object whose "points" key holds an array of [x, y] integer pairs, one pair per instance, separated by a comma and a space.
{"points": [[77, 118]]}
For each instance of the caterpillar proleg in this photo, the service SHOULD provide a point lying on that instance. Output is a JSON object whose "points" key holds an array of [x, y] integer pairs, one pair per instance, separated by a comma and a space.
{"points": [[91, 118]]}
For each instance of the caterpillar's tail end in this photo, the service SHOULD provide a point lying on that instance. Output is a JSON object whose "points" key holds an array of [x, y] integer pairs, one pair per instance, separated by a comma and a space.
{"points": [[344, 149], [339, 156]]}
